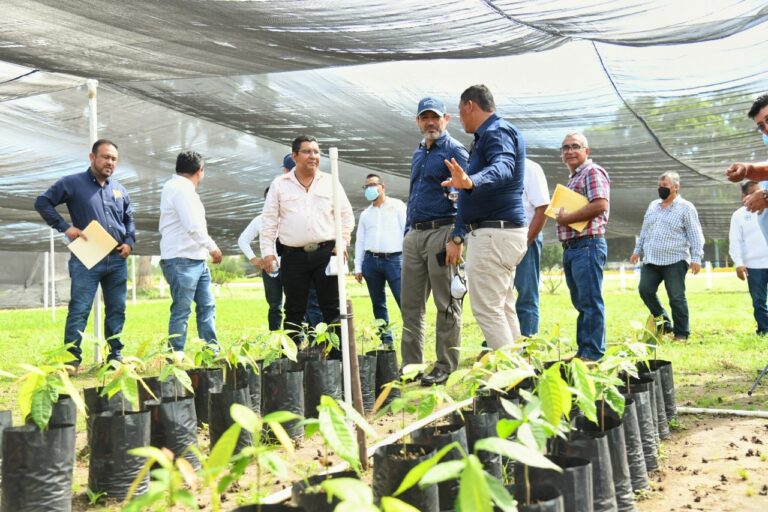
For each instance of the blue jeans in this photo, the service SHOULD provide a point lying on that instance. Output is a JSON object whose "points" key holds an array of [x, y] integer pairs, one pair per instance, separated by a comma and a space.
{"points": [[273, 292], [757, 280], [673, 276], [189, 280], [527, 286], [378, 271], [112, 274], [583, 264]]}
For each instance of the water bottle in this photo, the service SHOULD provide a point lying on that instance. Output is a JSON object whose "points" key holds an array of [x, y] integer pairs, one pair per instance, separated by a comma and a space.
{"points": [[275, 270]]}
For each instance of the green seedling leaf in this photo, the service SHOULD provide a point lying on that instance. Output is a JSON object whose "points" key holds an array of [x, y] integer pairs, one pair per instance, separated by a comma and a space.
{"points": [[385, 390], [282, 436], [281, 417], [442, 472], [500, 495], [349, 490], [245, 417], [516, 451], [390, 504], [473, 490], [223, 450], [337, 433], [420, 469]]}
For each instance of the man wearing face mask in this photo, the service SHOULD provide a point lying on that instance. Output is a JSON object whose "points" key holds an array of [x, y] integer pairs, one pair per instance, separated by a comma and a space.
{"points": [[379, 249], [429, 222], [670, 241]]}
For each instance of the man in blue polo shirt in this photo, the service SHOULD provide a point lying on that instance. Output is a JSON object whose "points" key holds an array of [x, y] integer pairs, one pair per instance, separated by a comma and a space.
{"points": [[490, 215], [429, 219], [94, 195]]}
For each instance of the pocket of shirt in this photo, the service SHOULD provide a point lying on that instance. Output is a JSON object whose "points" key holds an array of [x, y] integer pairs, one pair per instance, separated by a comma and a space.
{"points": [[291, 202]]}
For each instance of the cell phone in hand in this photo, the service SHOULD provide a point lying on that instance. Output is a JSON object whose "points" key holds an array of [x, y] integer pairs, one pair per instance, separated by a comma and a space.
{"points": [[441, 258]]}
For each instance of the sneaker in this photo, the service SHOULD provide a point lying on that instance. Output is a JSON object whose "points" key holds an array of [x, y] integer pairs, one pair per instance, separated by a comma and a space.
{"points": [[436, 376]]}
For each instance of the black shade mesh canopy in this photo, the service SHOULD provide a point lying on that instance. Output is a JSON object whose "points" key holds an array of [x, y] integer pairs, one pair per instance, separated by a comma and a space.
{"points": [[655, 85]]}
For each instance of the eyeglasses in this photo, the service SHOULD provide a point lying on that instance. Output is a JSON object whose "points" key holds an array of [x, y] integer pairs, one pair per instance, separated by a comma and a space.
{"points": [[762, 128], [371, 185], [571, 147], [309, 151]]}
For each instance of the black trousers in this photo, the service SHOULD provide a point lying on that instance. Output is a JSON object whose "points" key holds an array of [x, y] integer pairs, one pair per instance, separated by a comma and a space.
{"points": [[299, 270]]}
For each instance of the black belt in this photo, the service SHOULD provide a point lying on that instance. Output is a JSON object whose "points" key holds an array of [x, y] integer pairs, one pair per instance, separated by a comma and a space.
{"points": [[382, 254], [432, 224], [571, 241], [311, 247], [497, 224]]}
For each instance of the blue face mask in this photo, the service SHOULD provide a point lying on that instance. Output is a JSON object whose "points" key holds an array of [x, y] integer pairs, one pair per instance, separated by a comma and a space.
{"points": [[765, 139], [371, 193]]}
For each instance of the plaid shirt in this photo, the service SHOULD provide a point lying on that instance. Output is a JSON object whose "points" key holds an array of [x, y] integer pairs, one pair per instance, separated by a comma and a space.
{"points": [[670, 234], [590, 180]]}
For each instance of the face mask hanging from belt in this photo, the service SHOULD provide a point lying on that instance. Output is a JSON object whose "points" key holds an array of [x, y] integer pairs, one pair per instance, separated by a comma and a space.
{"points": [[458, 288]]}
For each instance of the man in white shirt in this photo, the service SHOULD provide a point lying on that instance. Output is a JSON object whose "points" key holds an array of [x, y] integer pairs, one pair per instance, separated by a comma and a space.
{"points": [[379, 249], [273, 286], [749, 252], [299, 206], [184, 247], [535, 202]]}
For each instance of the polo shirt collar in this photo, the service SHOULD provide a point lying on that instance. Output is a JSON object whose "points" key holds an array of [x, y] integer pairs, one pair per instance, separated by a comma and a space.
{"points": [[487, 123], [92, 177]]}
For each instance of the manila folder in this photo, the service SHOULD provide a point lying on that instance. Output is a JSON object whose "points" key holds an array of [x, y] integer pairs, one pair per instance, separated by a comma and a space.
{"points": [[99, 244], [569, 201]]}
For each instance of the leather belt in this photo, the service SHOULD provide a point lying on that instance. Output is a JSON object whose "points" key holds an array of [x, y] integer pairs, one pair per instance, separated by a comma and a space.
{"points": [[572, 241], [382, 254], [497, 224], [432, 224], [310, 247]]}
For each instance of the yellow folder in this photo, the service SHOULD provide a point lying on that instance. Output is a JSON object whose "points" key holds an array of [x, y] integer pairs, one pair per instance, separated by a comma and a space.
{"points": [[91, 251], [570, 201]]}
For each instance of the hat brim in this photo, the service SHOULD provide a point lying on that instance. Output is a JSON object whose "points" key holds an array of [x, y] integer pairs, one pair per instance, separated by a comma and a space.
{"points": [[441, 114]]}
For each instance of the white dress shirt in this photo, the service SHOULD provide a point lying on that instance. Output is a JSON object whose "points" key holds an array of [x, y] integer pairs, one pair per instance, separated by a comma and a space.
{"points": [[380, 229], [302, 216], [183, 230], [746, 243], [535, 190]]}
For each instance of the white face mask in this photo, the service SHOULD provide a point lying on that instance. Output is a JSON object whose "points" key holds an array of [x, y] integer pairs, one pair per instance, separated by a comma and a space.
{"points": [[459, 285]]}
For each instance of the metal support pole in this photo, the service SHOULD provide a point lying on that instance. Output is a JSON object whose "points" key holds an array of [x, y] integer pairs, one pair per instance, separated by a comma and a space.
{"points": [[341, 265], [133, 279], [53, 278], [46, 276], [708, 274], [98, 332]]}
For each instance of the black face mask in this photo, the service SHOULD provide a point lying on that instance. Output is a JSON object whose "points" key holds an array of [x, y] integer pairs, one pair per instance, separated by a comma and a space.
{"points": [[664, 192]]}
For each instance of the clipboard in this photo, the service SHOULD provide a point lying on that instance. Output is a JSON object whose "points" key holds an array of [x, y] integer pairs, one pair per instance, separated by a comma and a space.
{"points": [[99, 244], [568, 200]]}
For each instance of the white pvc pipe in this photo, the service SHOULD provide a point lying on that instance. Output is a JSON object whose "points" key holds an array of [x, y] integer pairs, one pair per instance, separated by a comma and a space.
{"points": [[53, 278], [622, 277], [93, 132], [708, 273], [133, 279], [341, 276], [723, 412], [46, 273], [162, 287]]}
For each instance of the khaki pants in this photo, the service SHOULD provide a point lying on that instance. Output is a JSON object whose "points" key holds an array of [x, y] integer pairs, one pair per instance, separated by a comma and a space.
{"points": [[492, 257], [422, 274]]}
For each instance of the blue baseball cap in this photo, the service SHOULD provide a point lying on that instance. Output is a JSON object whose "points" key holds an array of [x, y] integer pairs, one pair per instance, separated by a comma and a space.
{"points": [[288, 162], [432, 104]]}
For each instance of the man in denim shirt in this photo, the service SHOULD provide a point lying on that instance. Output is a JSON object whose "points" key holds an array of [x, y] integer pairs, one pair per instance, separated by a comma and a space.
{"points": [[94, 195], [429, 221], [491, 211]]}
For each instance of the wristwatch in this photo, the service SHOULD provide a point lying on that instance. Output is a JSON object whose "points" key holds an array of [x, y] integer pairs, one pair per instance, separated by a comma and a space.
{"points": [[457, 239]]}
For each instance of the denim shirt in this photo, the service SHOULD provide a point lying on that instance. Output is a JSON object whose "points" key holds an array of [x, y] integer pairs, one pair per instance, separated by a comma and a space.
{"points": [[426, 198], [87, 200], [496, 167]]}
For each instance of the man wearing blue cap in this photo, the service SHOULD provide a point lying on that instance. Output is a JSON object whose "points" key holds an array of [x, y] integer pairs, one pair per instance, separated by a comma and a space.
{"points": [[429, 221]]}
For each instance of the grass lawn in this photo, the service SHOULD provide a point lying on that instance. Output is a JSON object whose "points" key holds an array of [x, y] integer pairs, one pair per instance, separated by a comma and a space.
{"points": [[713, 369]]}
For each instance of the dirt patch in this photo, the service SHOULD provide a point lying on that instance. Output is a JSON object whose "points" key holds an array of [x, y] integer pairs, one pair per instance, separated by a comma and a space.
{"points": [[712, 464]]}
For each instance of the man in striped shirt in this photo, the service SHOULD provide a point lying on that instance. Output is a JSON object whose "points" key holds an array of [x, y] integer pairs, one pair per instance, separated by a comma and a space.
{"points": [[585, 252], [670, 241]]}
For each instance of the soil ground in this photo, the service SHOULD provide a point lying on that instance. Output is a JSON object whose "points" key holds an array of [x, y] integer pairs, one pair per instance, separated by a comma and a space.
{"points": [[713, 463]]}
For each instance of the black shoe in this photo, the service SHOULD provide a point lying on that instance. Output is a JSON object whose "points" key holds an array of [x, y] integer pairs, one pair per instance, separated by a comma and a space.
{"points": [[681, 337], [436, 376]]}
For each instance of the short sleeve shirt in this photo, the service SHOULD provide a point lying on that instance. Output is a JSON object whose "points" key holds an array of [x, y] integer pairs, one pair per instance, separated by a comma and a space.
{"points": [[591, 181]]}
